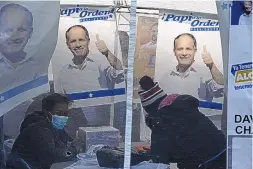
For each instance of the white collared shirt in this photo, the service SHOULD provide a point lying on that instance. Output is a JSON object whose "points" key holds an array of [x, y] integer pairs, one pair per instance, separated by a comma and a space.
{"points": [[6, 66], [87, 76], [245, 19], [11, 77], [94, 74], [196, 81], [149, 45]]}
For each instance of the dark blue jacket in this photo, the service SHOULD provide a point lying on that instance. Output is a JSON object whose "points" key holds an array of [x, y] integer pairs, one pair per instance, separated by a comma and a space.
{"points": [[39, 144], [182, 134]]}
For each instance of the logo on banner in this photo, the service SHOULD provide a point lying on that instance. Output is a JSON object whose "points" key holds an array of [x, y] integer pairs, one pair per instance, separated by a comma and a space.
{"points": [[243, 75], [197, 24], [226, 6], [86, 14]]}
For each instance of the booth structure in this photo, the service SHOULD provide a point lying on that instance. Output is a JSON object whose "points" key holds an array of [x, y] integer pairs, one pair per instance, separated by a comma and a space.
{"points": [[209, 10], [147, 8]]}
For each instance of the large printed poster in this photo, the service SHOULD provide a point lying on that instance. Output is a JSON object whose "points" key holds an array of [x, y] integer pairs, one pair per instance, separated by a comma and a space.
{"points": [[87, 66], [145, 50], [26, 47], [239, 115], [144, 64], [189, 60]]}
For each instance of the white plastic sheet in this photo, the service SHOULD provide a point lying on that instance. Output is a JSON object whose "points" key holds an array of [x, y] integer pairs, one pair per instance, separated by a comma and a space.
{"points": [[144, 165], [89, 161]]}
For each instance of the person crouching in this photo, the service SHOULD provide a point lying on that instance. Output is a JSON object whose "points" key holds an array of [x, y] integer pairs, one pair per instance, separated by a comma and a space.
{"points": [[180, 132]]}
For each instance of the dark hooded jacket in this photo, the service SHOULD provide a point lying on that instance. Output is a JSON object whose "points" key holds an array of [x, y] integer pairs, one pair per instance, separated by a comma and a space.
{"points": [[181, 133], [39, 144]]}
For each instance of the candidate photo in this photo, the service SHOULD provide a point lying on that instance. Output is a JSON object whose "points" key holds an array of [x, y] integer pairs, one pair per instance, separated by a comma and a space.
{"points": [[152, 43], [146, 44], [26, 48], [148, 50], [246, 17], [241, 13], [90, 72], [85, 72], [206, 81], [16, 28]]}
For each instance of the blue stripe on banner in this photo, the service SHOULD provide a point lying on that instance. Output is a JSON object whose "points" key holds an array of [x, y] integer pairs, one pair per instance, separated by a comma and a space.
{"points": [[210, 105], [96, 94], [121, 91], [23, 88]]}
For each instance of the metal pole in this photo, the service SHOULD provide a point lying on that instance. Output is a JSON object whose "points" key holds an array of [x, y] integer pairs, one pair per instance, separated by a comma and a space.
{"points": [[131, 53]]}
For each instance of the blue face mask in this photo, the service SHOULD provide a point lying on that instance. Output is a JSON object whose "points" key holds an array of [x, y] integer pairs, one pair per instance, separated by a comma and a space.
{"points": [[59, 121]]}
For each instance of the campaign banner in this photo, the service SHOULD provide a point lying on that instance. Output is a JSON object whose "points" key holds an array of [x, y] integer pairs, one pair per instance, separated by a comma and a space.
{"points": [[86, 14], [196, 23], [223, 9], [189, 60], [239, 117], [87, 63], [26, 48], [144, 64], [145, 50]]}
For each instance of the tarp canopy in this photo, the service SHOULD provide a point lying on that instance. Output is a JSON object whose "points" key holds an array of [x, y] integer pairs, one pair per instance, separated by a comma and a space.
{"points": [[205, 6]]}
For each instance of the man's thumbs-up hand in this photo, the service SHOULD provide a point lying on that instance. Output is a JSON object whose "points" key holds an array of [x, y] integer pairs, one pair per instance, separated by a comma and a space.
{"points": [[97, 37], [206, 56], [101, 46]]}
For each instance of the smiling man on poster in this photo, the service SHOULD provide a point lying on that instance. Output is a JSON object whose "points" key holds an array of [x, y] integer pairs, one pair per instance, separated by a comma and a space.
{"points": [[90, 77], [15, 34], [206, 82], [26, 48], [86, 73], [246, 17], [152, 44]]}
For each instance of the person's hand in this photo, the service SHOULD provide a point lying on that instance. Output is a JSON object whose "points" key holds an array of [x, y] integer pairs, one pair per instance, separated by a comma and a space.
{"points": [[77, 143], [101, 46], [151, 161], [206, 56]]}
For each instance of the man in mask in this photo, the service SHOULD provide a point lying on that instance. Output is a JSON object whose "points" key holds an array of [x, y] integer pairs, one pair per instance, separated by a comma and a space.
{"points": [[42, 140]]}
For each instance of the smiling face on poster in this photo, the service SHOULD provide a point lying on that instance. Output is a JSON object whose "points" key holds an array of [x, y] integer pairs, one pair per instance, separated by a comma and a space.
{"points": [[14, 42], [86, 64], [23, 65], [189, 58], [241, 13]]}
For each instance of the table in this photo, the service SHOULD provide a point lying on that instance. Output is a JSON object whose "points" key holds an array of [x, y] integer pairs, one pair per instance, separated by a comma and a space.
{"points": [[67, 164], [62, 165]]}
